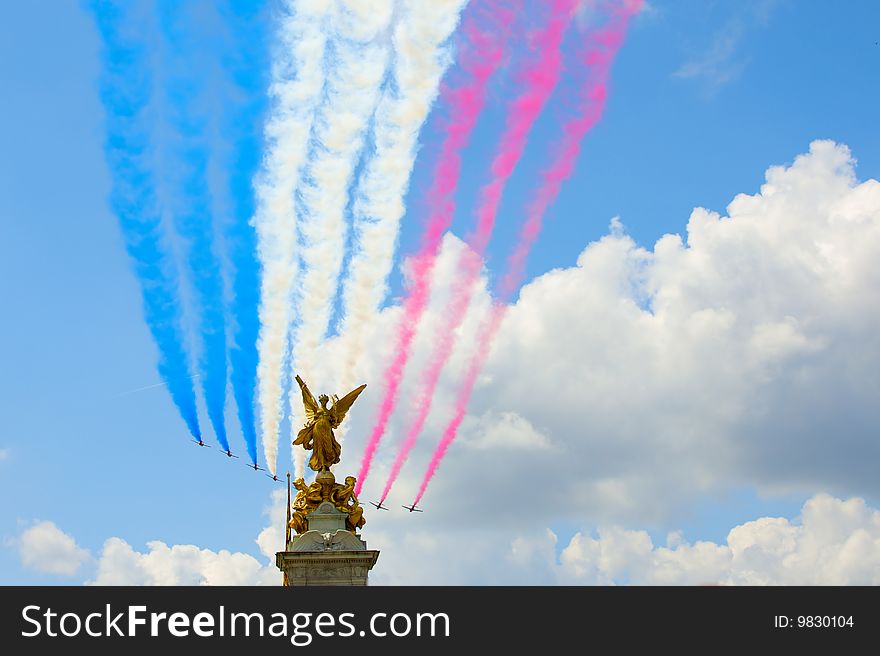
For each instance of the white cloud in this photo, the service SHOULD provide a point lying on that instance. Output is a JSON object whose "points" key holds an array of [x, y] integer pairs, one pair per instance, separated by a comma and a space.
{"points": [[186, 564], [120, 564], [721, 61], [501, 431], [717, 64], [744, 354], [832, 542], [628, 387], [46, 548], [836, 543]]}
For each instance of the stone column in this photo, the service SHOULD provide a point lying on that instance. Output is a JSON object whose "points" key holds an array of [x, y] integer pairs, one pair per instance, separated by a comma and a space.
{"points": [[326, 554]]}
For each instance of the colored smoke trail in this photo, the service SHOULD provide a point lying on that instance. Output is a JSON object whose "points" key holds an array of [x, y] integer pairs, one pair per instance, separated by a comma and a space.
{"points": [[189, 201], [295, 92], [126, 88], [360, 47], [244, 62], [597, 55], [540, 76], [466, 103], [480, 55], [596, 58], [420, 57], [484, 343]]}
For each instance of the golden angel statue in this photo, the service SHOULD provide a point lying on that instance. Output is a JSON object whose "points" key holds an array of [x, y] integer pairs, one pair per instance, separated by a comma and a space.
{"points": [[317, 435]]}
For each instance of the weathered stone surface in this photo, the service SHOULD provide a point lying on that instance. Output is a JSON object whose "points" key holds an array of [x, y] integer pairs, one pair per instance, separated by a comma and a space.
{"points": [[326, 519], [326, 567], [339, 540], [327, 553]]}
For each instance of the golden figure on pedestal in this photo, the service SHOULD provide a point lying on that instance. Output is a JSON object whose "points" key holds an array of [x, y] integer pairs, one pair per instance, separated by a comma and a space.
{"points": [[317, 435], [341, 496]]}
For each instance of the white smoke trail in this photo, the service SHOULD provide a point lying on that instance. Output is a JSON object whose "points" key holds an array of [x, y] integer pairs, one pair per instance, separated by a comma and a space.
{"points": [[422, 54], [359, 48], [297, 83]]}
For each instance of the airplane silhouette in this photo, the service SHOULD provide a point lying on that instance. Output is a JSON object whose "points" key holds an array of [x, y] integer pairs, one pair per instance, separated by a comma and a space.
{"points": [[413, 508], [378, 505]]}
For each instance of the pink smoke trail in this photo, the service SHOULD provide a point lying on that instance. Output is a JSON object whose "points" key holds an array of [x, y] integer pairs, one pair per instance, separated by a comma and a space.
{"points": [[487, 333], [481, 56], [541, 77], [597, 56]]}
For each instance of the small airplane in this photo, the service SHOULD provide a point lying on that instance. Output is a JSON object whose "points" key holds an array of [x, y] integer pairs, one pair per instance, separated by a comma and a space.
{"points": [[413, 508], [255, 467], [229, 454], [379, 505], [201, 443], [273, 477]]}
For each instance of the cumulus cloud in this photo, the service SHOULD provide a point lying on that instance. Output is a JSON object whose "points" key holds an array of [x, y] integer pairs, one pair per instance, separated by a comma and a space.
{"points": [[743, 353], [185, 564], [836, 542], [46, 548], [833, 542], [501, 431], [624, 389], [120, 564]]}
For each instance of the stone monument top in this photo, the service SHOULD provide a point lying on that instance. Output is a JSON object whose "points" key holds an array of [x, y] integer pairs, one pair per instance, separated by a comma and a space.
{"points": [[321, 544]]}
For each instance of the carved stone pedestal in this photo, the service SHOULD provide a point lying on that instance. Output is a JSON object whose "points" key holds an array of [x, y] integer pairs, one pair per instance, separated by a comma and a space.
{"points": [[326, 554], [326, 568]]}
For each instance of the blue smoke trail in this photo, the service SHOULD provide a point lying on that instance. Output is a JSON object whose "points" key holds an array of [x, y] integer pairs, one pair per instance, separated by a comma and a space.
{"points": [[125, 86], [191, 207], [246, 64]]}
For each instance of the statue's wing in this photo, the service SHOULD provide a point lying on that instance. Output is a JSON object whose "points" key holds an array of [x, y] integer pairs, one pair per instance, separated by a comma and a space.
{"points": [[340, 408], [309, 401]]}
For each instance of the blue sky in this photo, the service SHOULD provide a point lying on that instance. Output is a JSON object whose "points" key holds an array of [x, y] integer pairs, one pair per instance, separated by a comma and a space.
{"points": [[704, 97]]}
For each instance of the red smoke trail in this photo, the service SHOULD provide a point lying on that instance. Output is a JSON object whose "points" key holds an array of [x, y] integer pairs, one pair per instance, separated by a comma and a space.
{"points": [[481, 55], [597, 56], [540, 77], [487, 333]]}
